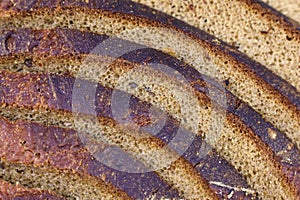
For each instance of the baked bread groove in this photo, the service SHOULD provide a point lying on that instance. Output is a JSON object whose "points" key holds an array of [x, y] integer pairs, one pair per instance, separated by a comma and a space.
{"points": [[251, 26], [226, 182], [167, 132], [263, 153], [249, 81], [9, 191], [264, 130], [290, 8]]}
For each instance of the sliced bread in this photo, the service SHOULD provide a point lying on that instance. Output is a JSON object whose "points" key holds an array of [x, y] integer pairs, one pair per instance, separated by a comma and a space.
{"points": [[248, 80]]}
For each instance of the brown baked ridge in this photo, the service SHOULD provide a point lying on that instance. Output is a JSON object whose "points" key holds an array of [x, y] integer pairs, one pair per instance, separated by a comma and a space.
{"points": [[31, 127], [148, 58], [248, 80], [289, 8], [10, 191]]}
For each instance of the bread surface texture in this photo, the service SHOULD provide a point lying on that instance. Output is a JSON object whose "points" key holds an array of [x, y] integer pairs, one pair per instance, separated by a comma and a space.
{"points": [[290, 8], [11, 191], [252, 27], [143, 99]]}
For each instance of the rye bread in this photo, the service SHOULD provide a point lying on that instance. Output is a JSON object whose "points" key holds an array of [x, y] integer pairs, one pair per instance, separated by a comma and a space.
{"points": [[265, 129], [168, 132], [290, 8], [225, 82], [249, 81], [10, 191], [252, 26]]}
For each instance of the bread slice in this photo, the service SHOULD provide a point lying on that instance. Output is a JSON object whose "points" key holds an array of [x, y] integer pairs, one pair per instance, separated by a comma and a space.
{"points": [[220, 184], [10, 191], [67, 184], [28, 139], [243, 111], [108, 70], [247, 80], [241, 138], [251, 26], [290, 8], [55, 159]]}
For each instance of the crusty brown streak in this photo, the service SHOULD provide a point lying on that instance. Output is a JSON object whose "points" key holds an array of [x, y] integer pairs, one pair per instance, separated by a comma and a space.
{"points": [[290, 8], [9, 191], [251, 26], [30, 143]]}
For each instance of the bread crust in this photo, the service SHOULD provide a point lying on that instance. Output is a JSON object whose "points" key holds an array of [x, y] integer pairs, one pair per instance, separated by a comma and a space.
{"points": [[275, 90], [139, 110], [126, 8], [289, 8], [65, 45], [290, 97], [274, 15], [38, 145], [10, 191]]}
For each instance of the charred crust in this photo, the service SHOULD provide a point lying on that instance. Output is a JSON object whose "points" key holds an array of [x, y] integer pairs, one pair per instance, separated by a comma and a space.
{"points": [[134, 10], [56, 42], [223, 178], [271, 81], [278, 144], [239, 108], [290, 94], [266, 76], [91, 166], [293, 173], [223, 171]]}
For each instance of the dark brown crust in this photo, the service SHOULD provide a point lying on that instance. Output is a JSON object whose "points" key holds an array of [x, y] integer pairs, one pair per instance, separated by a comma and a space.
{"points": [[126, 8], [40, 93], [9, 191], [273, 15], [287, 154], [62, 149]]}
